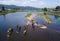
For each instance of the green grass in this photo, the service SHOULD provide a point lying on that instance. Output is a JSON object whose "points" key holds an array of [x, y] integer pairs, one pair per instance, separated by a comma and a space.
{"points": [[46, 17], [54, 13], [39, 10], [28, 15], [6, 12], [2, 13]]}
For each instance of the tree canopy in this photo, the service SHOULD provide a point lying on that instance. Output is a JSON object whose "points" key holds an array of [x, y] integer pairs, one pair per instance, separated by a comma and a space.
{"points": [[3, 8], [45, 9], [58, 7]]}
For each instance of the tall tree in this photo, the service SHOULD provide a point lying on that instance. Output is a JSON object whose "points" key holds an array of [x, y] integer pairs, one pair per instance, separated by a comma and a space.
{"points": [[3, 8], [58, 7], [45, 9]]}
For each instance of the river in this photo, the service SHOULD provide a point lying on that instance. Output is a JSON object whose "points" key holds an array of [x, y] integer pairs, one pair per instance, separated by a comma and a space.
{"points": [[33, 34]]}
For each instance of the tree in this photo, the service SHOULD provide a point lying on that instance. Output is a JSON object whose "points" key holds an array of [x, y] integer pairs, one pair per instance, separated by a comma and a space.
{"points": [[58, 7], [45, 9], [3, 8]]}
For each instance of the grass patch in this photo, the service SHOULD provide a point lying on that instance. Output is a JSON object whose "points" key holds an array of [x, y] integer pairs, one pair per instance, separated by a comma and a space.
{"points": [[8, 11], [46, 18], [39, 10], [54, 13], [28, 15]]}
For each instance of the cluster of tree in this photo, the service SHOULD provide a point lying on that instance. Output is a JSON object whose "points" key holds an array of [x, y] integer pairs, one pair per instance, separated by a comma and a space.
{"points": [[44, 9], [2, 8], [57, 8]]}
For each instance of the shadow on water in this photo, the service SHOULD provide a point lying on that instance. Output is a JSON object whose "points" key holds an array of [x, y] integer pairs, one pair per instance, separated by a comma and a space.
{"points": [[44, 13], [18, 29], [33, 28], [4, 16], [25, 30], [25, 33], [56, 16]]}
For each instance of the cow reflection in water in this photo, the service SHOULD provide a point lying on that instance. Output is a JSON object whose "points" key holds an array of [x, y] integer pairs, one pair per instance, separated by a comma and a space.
{"points": [[25, 30], [10, 31], [18, 28], [25, 33], [33, 27]]}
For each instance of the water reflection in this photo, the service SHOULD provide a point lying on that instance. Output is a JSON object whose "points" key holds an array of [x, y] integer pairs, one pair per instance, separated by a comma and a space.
{"points": [[44, 13], [56, 16], [46, 18], [25, 30], [4, 16], [18, 29], [28, 33], [33, 28]]}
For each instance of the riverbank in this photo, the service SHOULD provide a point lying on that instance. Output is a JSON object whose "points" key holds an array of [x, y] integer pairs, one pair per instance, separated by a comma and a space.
{"points": [[53, 13], [8, 11], [46, 18], [50, 12]]}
